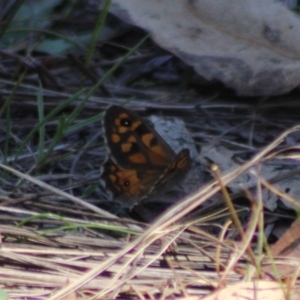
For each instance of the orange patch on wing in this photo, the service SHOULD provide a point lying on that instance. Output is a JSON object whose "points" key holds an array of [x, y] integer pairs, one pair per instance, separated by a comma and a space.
{"points": [[135, 125], [120, 118], [115, 138], [182, 163], [124, 116], [129, 181], [159, 151], [131, 139], [159, 159], [182, 160], [138, 158], [118, 123], [123, 129], [160, 155], [147, 138], [113, 178], [126, 147]]}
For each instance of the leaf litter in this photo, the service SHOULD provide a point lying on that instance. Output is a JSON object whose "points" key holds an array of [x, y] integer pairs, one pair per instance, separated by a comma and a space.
{"points": [[59, 234]]}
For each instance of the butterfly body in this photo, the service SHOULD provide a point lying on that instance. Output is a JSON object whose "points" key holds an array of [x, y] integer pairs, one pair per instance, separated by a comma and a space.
{"points": [[139, 160]]}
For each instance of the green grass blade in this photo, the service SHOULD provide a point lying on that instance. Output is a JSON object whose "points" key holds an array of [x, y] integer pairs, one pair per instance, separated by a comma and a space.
{"points": [[56, 139], [53, 113], [6, 108], [43, 215], [96, 32], [104, 78]]}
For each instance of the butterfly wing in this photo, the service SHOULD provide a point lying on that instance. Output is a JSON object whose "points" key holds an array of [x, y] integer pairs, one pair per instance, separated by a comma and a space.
{"points": [[132, 142], [127, 186], [177, 168], [139, 159]]}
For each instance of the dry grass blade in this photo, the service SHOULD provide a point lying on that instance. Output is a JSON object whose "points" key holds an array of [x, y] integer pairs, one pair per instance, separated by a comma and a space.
{"points": [[162, 226], [58, 192], [60, 236]]}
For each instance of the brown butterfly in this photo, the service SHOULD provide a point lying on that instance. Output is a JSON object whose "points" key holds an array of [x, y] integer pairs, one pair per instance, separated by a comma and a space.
{"points": [[139, 160]]}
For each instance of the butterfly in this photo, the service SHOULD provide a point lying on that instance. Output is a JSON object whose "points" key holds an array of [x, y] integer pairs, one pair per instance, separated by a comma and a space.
{"points": [[139, 160]]}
